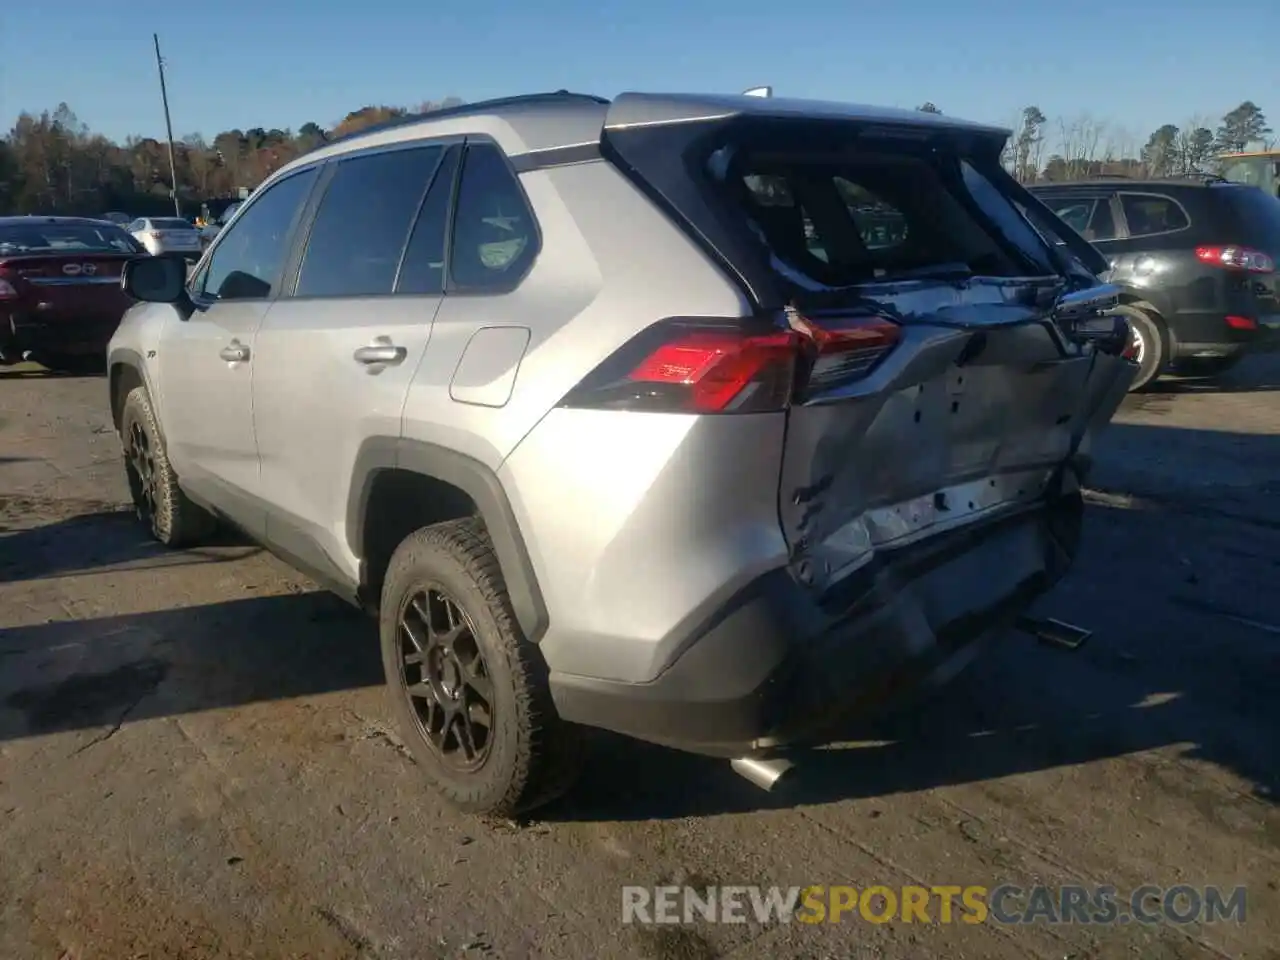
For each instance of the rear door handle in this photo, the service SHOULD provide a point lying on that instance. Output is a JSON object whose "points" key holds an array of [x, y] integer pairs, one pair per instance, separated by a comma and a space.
{"points": [[234, 352], [381, 350]]}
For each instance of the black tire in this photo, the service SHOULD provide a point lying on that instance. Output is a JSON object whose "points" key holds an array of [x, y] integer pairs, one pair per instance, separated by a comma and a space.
{"points": [[1205, 366], [529, 756], [1149, 343], [172, 518]]}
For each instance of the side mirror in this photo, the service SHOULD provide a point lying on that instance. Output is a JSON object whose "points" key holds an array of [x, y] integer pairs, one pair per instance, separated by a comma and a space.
{"points": [[158, 279], [1078, 305]]}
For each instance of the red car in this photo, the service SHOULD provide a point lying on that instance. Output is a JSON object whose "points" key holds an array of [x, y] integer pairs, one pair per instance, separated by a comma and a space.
{"points": [[60, 296]]}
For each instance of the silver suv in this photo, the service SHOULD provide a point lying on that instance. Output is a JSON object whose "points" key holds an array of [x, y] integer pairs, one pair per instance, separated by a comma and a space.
{"points": [[701, 419]]}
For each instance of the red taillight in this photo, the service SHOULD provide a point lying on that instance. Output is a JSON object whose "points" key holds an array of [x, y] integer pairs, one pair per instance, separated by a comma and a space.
{"points": [[721, 366], [7, 290], [1241, 323], [1236, 258]]}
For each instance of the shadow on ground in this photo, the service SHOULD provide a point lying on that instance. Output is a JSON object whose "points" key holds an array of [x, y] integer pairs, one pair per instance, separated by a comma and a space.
{"points": [[108, 536], [1255, 374], [1185, 656]]}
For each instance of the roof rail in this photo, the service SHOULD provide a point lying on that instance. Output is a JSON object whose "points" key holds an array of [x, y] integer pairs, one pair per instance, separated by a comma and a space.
{"points": [[1196, 175], [466, 109]]}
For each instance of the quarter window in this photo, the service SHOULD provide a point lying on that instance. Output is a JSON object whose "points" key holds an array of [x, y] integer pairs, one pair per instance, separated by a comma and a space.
{"points": [[363, 222], [494, 236], [1148, 214], [247, 262]]}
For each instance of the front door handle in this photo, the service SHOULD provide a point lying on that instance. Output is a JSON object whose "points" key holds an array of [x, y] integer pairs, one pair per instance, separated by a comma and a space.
{"points": [[380, 351], [234, 352]]}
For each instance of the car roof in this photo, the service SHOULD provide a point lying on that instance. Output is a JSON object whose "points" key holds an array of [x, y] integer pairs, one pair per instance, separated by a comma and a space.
{"points": [[1189, 181], [548, 121], [32, 220]]}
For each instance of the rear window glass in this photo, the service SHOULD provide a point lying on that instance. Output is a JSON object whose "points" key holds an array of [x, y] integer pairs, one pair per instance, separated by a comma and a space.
{"points": [[58, 237], [833, 220], [1258, 216], [171, 223], [1148, 214]]}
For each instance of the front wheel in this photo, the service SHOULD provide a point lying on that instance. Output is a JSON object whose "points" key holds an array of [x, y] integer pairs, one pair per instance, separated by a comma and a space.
{"points": [[160, 503], [470, 693], [1146, 346]]}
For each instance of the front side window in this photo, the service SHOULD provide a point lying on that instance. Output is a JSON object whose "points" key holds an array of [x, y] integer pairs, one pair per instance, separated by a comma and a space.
{"points": [[1148, 214], [363, 222], [247, 262], [495, 238]]}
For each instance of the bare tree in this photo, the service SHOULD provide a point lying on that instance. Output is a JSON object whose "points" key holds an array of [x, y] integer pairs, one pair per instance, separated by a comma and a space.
{"points": [[1080, 139]]}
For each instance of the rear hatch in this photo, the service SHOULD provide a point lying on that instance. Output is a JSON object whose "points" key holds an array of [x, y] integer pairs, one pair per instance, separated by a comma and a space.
{"points": [[1254, 228], [79, 285], [935, 389], [174, 233]]}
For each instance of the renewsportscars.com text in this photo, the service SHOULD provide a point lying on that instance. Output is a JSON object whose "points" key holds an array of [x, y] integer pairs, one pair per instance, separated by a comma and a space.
{"points": [[1004, 904]]}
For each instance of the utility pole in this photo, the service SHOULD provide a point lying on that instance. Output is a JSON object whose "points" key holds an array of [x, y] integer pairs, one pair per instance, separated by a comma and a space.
{"points": [[168, 124]]}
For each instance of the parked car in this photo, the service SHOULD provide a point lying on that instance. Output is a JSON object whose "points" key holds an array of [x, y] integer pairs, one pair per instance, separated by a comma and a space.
{"points": [[214, 226], [166, 235], [604, 443], [1196, 257], [60, 294], [118, 218]]}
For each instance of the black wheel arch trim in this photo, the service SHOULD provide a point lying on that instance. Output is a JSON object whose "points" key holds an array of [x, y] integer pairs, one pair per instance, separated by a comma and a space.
{"points": [[482, 485], [128, 357]]}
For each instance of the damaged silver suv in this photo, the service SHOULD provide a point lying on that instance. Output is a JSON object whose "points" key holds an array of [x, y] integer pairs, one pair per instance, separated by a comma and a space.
{"points": [[702, 419]]}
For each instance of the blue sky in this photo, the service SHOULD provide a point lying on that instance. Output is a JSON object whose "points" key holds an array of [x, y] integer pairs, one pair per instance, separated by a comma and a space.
{"points": [[240, 63]]}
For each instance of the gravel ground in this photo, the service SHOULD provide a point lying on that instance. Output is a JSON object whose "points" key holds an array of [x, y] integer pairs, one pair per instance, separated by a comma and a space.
{"points": [[196, 758]]}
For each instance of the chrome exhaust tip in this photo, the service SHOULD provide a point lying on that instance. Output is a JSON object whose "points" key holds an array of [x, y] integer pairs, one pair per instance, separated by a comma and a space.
{"points": [[763, 773], [1055, 633]]}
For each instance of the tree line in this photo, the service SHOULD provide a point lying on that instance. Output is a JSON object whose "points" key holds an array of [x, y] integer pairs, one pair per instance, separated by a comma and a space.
{"points": [[1081, 147], [51, 162]]}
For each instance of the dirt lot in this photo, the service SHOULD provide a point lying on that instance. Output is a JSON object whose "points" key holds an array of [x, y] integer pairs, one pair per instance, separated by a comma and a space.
{"points": [[196, 759]]}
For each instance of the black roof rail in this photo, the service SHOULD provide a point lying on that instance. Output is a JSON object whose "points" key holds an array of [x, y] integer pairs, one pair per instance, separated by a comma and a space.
{"points": [[1196, 175], [466, 109]]}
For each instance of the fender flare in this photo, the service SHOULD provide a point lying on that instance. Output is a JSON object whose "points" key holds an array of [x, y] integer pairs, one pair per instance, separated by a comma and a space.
{"points": [[477, 481], [128, 357]]}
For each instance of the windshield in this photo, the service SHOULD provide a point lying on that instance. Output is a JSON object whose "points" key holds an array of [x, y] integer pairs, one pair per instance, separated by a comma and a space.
{"points": [[66, 237]]}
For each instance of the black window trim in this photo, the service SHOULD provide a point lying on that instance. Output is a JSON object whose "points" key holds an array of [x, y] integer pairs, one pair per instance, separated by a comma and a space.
{"points": [[459, 145], [511, 283], [1118, 208], [201, 300], [330, 164]]}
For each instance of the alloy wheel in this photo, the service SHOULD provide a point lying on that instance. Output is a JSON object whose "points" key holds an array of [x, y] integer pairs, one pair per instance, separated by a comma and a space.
{"points": [[142, 467], [446, 678], [1137, 348]]}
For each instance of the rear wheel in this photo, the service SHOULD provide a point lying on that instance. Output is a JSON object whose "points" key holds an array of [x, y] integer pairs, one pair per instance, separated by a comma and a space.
{"points": [[470, 693], [1146, 346], [160, 503]]}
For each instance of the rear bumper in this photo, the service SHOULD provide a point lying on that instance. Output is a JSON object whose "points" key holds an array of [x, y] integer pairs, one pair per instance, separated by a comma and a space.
{"points": [[777, 666], [77, 336], [1211, 336]]}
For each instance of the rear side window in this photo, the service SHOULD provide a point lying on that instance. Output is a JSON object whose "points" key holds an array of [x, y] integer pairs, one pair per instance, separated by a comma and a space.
{"points": [[1257, 217], [363, 223], [422, 270], [1148, 214], [495, 238]]}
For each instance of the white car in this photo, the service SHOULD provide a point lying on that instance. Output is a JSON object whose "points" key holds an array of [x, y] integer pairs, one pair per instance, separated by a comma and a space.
{"points": [[166, 235]]}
